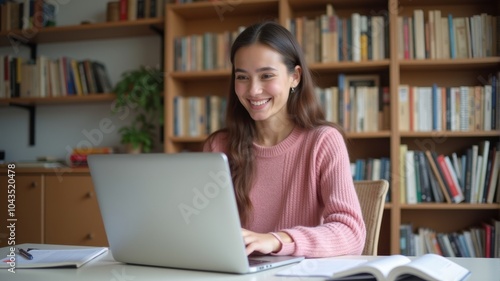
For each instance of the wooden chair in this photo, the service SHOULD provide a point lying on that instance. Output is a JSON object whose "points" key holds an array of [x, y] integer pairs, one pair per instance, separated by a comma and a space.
{"points": [[371, 196]]}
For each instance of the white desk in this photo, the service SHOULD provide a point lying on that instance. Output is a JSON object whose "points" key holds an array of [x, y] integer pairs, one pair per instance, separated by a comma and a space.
{"points": [[106, 268]]}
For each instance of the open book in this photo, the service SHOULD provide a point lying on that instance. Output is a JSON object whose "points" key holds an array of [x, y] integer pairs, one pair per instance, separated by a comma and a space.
{"points": [[53, 258], [429, 267]]}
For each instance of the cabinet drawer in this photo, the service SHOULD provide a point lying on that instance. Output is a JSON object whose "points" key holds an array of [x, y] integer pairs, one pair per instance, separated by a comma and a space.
{"points": [[72, 215], [27, 209]]}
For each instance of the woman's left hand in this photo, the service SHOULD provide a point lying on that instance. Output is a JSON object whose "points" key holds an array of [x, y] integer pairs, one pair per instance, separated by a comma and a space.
{"points": [[264, 243]]}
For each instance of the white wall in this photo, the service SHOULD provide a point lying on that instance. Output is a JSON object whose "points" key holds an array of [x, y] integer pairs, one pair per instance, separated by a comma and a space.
{"points": [[69, 125]]}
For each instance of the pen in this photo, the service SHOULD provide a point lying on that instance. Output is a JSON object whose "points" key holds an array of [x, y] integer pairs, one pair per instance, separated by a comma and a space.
{"points": [[25, 254]]}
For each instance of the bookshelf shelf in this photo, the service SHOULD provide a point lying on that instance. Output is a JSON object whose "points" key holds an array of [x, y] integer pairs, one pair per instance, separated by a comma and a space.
{"points": [[366, 66], [196, 75], [450, 63], [61, 100], [198, 139], [211, 10], [341, 4], [369, 135], [442, 206], [373, 135], [94, 31], [451, 134], [445, 2]]}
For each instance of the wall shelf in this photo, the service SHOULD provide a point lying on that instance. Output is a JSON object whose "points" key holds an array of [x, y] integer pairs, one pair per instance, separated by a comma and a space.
{"points": [[108, 30]]}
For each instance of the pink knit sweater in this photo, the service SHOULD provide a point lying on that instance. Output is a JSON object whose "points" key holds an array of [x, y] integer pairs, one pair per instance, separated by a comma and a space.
{"points": [[304, 187]]}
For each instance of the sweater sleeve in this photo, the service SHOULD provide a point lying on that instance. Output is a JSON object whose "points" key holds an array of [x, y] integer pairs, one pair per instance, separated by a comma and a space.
{"points": [[343, 230]]}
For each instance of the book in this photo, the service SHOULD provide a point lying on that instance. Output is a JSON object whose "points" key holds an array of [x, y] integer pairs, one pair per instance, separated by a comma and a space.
{"points": [[455, 191], [404, 107], [430, 267], [45, 258], [425, 184], [101, 78], [419, 33], [493, 179], [438, 174]]}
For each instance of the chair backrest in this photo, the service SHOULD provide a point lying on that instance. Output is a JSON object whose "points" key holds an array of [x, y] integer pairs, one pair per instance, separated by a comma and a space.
{"points": [[372, 194]]}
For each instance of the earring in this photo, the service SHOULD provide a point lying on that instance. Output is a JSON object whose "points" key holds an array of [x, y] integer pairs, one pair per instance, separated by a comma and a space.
{"points": [[292, 90]]}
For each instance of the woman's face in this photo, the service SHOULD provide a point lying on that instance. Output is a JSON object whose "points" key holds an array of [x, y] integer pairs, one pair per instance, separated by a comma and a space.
{"points": [[262, 82]]}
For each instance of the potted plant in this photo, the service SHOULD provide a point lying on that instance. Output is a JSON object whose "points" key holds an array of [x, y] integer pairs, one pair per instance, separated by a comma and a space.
{"points": [[140, 91]]}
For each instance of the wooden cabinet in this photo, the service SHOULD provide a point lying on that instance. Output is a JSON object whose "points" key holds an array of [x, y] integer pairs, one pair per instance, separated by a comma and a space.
{"points": [[184, 20], [28, 209], [53, 208], [72, 214]]}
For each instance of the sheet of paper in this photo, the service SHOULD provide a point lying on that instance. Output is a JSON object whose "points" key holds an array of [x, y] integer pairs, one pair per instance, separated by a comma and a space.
{"points": [[320, 267]]}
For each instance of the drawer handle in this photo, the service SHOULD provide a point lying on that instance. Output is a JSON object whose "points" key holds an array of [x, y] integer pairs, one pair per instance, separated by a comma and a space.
{"points": [[33, 184], [90, 236], [90, 194]]}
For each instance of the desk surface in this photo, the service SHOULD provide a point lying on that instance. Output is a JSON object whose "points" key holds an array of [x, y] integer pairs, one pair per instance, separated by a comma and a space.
{"points": [[106, 268]]}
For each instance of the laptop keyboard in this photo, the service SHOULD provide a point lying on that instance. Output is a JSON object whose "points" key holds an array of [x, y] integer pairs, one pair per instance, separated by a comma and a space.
{"points": [[256, 262]]}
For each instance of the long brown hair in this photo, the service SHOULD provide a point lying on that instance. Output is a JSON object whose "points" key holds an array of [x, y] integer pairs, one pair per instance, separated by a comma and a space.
{"points": [[302, 106]]}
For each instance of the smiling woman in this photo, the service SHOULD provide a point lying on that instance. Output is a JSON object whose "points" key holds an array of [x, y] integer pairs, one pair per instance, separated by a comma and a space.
{"points": [[290, 167], [263, 83]]}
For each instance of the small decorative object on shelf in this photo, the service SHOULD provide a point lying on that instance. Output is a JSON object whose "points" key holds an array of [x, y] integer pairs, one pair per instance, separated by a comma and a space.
{"points": [[113, 11]]}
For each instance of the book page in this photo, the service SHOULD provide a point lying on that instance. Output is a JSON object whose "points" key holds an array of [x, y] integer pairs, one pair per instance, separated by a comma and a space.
{"points": [[432, 267], [379, 268], [56, 258], [319, 267]]}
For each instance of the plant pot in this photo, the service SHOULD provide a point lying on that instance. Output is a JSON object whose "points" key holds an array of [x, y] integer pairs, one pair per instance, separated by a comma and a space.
{"points": [[133, 150]]}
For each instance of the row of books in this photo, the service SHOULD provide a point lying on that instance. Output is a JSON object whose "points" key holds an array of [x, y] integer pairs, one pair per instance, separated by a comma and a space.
{"points": [[430, 177], [476, 242], [139, 9], [207, 51], [25, 14], [372, 169], [45, 77], [78, 156], [331, 38], [364, 105], [435, 108], [440, 36], [198, 116], [357, 108]]}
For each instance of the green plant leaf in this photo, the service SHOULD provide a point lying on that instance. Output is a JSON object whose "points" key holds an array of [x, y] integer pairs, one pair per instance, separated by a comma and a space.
{"points": [[140, 91]]}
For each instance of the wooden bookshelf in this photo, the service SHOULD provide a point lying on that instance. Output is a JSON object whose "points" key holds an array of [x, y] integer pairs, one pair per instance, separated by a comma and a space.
{"points": [[197, 18]]}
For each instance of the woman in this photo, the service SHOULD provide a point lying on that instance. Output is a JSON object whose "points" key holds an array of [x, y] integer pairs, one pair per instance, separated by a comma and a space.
{"points": [[290, 167]]}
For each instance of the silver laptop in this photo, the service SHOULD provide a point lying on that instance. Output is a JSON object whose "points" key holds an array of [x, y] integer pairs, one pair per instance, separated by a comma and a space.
{"points": [[173, 210]]}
